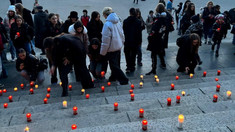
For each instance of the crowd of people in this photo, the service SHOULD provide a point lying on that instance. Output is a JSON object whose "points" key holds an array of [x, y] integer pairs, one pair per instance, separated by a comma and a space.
{"points": [[67, 44]]}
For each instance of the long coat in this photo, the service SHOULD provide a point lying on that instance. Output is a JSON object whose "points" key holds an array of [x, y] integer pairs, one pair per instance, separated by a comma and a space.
{"points": [[40, 27], [70, 47]]}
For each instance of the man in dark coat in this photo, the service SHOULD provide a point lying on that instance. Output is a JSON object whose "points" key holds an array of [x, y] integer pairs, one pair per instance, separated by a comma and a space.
{"points": [[68, 50], [40, 23], [132, 32], [72, 18]]}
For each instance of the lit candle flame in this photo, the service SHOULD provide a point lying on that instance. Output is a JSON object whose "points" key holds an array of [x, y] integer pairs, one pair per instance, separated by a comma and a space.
{"points": [[26, 129], [181, 118], [183, 93]]}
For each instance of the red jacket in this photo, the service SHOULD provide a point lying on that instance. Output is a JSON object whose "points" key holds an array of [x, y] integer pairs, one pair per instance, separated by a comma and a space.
{"points": [[85, 20]]}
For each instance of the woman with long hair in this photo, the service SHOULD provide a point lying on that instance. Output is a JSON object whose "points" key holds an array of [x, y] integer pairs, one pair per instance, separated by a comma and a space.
{"points": [[95, 26], [185, 21]]}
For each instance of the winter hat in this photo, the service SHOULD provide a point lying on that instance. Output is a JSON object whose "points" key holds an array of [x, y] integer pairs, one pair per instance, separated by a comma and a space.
{"points": [[195, 18], [73, 14], [12, 8], [219, 16]]}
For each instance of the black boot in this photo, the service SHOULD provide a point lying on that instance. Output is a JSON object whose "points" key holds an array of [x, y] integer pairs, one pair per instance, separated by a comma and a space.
{"points": [[217, 53], [151, 72], [213, 47]]}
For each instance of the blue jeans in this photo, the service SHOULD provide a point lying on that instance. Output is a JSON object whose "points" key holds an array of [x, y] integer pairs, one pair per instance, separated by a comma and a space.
{"points": [[95, 68], [12, 50]]}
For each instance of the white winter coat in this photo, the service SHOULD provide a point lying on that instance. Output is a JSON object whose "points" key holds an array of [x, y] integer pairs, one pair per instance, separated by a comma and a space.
{"points": [[112, 35]]}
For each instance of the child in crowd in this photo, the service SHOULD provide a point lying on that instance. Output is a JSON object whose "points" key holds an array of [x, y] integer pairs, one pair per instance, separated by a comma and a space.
{"points": [[95, 58], [220, 31], [85, 18]]}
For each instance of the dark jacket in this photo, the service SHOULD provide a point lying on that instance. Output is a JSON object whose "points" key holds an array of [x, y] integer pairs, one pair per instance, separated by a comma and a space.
{"points": [[169, 20], [185, 53], [132, 31], [31, 65], [222, 33], [28, 17], [40, 27], [94, 55], [94, 29], [185, 22], [155, 39], [26, 34], [3, 33], [53, 31], [65, 26], [71, 47], [206, 19]]}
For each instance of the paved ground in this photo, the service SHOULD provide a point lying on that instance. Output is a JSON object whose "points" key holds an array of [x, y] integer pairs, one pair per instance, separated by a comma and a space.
{"points": [[63, 7]]}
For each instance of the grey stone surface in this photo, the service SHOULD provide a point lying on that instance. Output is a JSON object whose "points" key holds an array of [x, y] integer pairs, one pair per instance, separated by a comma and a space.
{"points": [[5, 121], [8, 112], [15, 104]]}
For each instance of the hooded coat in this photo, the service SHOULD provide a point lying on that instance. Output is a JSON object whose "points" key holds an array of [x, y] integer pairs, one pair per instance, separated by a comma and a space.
{"points": [[112, 35], [132, 31], [40, 28]]}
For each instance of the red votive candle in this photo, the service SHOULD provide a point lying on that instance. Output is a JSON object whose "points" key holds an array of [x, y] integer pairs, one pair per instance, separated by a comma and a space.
{"points": [[177, 99], [176, 77], [172, 86], [48, 95], [204, 74], [218, 72], [115, 106], [31, 84], [109, 83], [22, 86], [132, 97], [131, 91], [45, 100], [144, 125], [132, 86], [74, 127], [217, 88], [216, 79], [4, 90], [87, 96], [75, 110], [28, 116], [215, 98], [18, 34], [31, 91], [102, 88], [0, 92], [5, 105], [48, 90], [169, 101], [102, 74], [70, 87], [141, 113], [10, 98], [218, 29]]}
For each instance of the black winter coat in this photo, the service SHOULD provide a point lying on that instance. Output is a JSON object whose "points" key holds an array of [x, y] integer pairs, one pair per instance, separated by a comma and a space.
{"points": [[28, 17], [71, 47], [65, 26], [155, 39], [185, 22], [40, 28], [132, 31], [3, 33], [31, 65], [53, 31], [94, 29], [206, 19], [26, 34], [186, 52], [222, 33]]}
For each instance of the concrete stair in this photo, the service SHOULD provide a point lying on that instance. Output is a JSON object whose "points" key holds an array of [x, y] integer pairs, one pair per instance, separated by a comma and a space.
{"points": [[97, 114]]}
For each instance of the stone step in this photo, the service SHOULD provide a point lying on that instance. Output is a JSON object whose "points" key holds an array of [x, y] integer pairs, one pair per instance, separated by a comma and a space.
{"points": [[192, 123]]}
